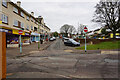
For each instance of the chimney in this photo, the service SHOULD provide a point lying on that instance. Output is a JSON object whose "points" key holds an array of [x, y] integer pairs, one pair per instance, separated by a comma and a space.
{"points": [[18, 3], [32, 13]]}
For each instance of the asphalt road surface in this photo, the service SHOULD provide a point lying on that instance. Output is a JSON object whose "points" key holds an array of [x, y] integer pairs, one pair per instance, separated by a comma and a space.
{"points": [[59, 61]]}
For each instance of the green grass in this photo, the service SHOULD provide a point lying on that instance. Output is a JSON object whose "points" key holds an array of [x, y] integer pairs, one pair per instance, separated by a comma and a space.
{"points": [[102, 45]]}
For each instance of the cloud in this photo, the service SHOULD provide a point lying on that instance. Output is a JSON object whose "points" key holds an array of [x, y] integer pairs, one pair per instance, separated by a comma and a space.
{"points": [[59, 12], [56, 0]]}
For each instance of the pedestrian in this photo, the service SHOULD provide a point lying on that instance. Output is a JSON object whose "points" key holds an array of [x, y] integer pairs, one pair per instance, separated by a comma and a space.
{"points": [[41, 41]]}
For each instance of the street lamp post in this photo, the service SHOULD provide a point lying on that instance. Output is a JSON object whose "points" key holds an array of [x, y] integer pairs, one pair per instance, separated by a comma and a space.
{"points": [[39, 35]]}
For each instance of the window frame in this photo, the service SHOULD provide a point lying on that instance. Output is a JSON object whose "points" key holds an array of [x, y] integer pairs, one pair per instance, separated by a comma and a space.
{"points": [[28, 17], [32, 19], [27, 28], [22, 14], [22, 25], [35, 28], [14, 23], [5, 5], [31, 27], [14, 10], [4, 19]]}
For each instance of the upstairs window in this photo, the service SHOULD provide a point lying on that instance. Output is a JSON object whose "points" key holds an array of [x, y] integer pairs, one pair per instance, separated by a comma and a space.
{"points": [[42, 25], [27, 27], [35, 28], [4, 19], [15, 23], [28, 18], [32, 19], [37, 23], [15, 10], [22, 25], [31, 27], [22, 14], [4, 3]]}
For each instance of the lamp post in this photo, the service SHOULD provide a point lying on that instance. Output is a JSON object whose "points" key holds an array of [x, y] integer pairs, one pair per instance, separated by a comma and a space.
{"points": [[39, 32]]}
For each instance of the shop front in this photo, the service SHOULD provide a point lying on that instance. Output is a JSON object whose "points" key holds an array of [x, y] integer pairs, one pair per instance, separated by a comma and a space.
{"points": [[12, 37], [26, 39], [35, 37]]}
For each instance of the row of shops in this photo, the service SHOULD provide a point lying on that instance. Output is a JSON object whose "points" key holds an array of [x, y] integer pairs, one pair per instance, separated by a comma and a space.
{"points": [[12, 36]]}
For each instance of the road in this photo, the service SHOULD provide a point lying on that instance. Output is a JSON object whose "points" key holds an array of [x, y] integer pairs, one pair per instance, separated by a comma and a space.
{"points": [[59, 61]]}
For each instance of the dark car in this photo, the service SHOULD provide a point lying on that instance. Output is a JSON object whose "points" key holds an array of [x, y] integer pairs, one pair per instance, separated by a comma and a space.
{"points": [[71, 42]]}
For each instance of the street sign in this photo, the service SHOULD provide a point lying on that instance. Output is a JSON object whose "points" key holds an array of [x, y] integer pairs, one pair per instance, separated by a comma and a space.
{"points": [[85, 29], [20, 32]]}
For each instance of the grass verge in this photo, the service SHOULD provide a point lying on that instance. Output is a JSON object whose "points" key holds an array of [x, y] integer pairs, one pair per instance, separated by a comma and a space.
{"points": [[102, 45]]}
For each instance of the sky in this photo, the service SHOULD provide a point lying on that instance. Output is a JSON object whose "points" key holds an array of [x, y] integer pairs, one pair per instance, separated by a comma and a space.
{"points": [[56, 13]]}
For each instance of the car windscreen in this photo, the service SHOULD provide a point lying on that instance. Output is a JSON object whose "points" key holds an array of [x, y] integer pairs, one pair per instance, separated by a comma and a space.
{"points": [[72, 40]]}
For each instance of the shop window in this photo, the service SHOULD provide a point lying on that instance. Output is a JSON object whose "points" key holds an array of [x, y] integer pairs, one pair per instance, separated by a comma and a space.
{"points": [[15, 10], [28, 18], [4, 3], [15, 23], [4, 19], [22, 14]]}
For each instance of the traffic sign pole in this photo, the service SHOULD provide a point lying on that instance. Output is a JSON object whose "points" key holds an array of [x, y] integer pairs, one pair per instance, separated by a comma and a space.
{"points": [[85, 44], [85, 30], [20, 45], [20, 33]]}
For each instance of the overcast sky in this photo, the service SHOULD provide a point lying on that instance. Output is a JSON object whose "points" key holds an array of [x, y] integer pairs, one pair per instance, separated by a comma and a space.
{"points": [[56, 13]]}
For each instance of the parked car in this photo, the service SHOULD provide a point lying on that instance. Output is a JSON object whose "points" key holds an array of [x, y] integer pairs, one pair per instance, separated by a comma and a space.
{"points": [[64, 38], [71, 42], [52, 38]]}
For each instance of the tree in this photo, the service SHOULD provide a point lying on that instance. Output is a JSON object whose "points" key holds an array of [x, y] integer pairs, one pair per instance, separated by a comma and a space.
{"points": [[55, 34], [72, 30], [67, 29], [108, 13], [80, 29], [103, 31]]}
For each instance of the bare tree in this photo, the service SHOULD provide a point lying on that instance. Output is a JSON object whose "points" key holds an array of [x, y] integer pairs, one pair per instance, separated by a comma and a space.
{"points": [[108, 13], [80, 29], [72, 29], [67, 29]]}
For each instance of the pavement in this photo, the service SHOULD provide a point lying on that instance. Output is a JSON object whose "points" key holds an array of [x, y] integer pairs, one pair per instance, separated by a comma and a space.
{"points": [[26, 50], [60, 61]]}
